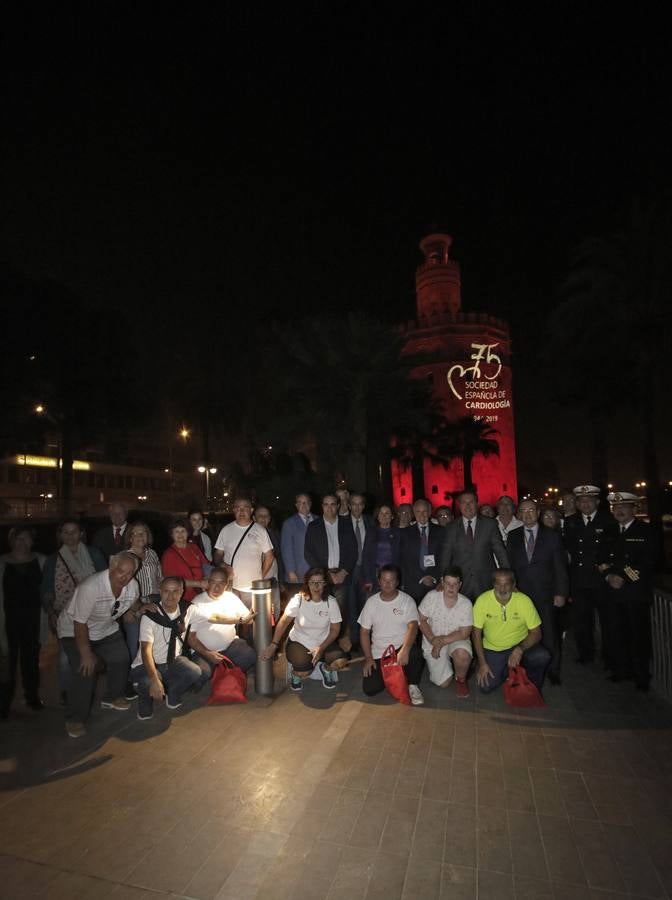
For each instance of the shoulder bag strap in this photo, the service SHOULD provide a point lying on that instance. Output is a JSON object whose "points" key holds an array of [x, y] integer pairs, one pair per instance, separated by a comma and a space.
{"points": [[67, 568], [240, 542]]}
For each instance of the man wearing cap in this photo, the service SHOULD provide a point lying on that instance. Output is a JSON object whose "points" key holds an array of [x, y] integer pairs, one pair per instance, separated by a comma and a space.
{"points": [[585, 535], [627, 564]]}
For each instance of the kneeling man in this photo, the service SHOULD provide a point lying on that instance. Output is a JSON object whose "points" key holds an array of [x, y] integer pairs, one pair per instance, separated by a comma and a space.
{"points": [[446, 620], [212, 618], [507, 632], [159, 669], [390, 617]]}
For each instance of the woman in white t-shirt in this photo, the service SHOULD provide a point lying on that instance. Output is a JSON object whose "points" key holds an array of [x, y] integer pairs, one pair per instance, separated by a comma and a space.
{"points": [[446, 620], [315, 621]]}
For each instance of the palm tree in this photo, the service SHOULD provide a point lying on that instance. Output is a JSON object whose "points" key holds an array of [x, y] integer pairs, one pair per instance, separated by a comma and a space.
{"points": [[344, 381], [465, 439]]}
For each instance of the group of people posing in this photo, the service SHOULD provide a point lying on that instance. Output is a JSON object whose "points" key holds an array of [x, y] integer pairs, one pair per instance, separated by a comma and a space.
{"points": [[441, 590]]}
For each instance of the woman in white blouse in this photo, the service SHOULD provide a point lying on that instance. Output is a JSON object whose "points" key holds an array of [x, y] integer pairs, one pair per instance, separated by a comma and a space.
{"points": [[315, 621], [446, 620]]}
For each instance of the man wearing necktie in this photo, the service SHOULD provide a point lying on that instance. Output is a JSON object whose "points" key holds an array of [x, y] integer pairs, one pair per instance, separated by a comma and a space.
{"points": [[419, 550], [473, 543], [539, 561], [584, 536], [293, 538], [110, 539], [364, 573]]}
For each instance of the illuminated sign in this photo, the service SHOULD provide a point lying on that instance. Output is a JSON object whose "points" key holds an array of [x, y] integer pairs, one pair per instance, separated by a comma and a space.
{"points": [[49, 462], [479, 385]]}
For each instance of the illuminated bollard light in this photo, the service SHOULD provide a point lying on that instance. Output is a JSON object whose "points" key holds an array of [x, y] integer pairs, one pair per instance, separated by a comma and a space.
{"points": [[261, 632]]}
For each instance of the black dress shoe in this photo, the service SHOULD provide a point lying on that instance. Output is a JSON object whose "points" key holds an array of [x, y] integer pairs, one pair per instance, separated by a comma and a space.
{"points": [[642, 686], [35, 704], [555, 679]]}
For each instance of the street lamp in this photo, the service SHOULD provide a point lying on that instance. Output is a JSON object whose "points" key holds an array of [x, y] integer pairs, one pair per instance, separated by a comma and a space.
{"points": [[207, 471]]}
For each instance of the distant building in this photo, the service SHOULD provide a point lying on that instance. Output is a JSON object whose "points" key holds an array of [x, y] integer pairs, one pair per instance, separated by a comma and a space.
{"points": [[469, 368]]}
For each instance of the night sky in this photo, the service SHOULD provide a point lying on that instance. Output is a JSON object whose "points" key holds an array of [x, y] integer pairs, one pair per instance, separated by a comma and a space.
{"points": [[289, 162]]}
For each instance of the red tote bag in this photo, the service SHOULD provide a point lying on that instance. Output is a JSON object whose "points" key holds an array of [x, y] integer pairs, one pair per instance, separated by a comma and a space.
{"points": [[520, 691], [228, 684], [394, 676]]}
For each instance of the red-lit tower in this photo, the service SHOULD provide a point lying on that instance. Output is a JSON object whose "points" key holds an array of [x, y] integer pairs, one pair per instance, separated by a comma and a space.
{"points": [[469, 366]]}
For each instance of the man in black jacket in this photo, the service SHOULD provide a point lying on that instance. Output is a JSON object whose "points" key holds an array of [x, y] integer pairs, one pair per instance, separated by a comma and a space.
{"points": [[585, 535], [473, 543], [627, 564], [420, 551], [331, 544], [539, 559]]}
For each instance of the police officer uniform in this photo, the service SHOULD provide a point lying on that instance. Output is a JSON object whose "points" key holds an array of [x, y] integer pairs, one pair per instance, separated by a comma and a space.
{"points": [[584, 539], [631, 554]]}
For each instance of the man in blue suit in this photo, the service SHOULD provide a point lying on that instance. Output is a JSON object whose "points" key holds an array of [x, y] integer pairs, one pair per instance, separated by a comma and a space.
{"points": [[539, 560], [293, 539]]}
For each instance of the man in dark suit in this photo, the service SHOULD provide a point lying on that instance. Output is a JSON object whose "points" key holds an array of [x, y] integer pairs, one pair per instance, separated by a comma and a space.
{"points": [[627, 563], [585, 535], [110, 539], [330, 544], [364, 574], [539, 560], [419, 552], [473, 543]]}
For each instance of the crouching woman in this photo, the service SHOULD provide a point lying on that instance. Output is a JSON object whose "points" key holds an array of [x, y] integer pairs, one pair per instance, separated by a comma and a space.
{"points": [[314, 620]]}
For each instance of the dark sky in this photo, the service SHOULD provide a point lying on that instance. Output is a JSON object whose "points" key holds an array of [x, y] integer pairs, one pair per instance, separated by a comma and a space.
{"points": [[284, 162]]}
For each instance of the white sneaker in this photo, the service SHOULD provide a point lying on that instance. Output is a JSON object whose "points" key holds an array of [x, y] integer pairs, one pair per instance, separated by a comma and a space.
{"points": [[415, 694]]}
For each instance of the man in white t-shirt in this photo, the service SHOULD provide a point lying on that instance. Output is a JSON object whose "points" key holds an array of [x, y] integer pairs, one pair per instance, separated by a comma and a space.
{"points": [[88, 628], [244, 549], [159, 669], [390, 617], [446, 620], [212, 617]]}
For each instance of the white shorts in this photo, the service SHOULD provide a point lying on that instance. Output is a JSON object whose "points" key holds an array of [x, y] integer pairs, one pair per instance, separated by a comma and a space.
{"points": [[441, 669]]}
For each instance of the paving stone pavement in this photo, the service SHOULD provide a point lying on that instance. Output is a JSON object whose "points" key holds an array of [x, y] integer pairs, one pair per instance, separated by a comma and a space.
{"points": [[325, 794]]}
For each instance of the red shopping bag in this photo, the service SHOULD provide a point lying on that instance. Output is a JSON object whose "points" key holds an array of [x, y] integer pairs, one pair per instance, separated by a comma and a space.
{"points": [[519, 690], [394, 676], [228, 684]]}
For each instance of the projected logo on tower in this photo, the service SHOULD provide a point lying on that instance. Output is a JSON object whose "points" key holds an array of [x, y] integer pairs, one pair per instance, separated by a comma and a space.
{"points": [[478, 385]]}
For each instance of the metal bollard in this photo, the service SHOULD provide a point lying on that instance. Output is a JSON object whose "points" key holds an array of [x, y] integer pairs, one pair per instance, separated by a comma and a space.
{"points": [[261, 632]]}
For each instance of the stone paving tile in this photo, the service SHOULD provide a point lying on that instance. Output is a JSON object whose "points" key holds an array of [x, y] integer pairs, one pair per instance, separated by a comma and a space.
{"points": [[332, 797]]}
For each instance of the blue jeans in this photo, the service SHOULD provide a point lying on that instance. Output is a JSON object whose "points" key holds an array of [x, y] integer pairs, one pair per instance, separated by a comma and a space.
{"points": [[177, 677], [535, 661], [239, 652]]}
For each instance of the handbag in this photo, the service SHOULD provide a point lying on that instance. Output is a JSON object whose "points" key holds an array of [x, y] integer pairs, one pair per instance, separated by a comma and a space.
{"points": [[518, 690], [228, 684], [394, 676]]}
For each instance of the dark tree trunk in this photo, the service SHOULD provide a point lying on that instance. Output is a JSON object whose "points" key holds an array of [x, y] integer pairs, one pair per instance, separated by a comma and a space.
{"points": [[418, 473], [467, 458]]}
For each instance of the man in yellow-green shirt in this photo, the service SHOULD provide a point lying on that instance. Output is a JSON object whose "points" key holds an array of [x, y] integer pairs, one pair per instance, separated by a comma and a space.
{"points": [[506, 633]]}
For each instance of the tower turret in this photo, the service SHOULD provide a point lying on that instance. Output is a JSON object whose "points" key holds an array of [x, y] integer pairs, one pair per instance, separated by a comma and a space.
{"points": [[437, 279]]}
